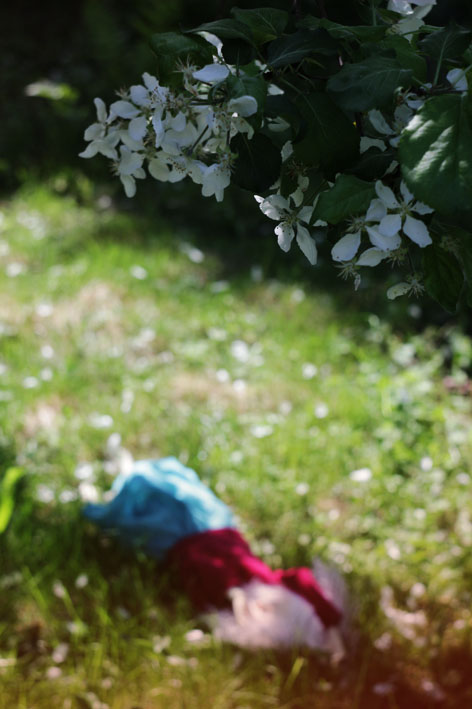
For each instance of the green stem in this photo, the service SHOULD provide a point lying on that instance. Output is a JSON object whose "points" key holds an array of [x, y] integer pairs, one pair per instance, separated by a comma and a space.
{"points": [[374, 13], [198, 139], [439, 64]]}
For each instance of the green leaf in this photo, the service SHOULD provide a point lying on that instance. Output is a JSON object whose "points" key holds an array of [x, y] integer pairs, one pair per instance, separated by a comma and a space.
{"points": [[352, 33], [265, 23], [173, 45], [443, 277], [226, 29], [331, 140], [405, 55], [292, 48], [368, 84], [238, 52], [7, 495], [258, 164], [373, 164], [248, 86], [435, 153], [349, 196], [447, 43]]}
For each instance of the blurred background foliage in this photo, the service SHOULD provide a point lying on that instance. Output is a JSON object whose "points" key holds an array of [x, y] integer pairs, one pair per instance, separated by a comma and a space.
{"points": [[56, 58]]}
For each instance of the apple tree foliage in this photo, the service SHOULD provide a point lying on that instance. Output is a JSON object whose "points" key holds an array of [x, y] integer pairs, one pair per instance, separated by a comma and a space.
{"points": [[355, 138]]}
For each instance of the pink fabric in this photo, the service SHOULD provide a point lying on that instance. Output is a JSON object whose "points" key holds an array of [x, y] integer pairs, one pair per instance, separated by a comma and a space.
{"points": [[210, 563]]}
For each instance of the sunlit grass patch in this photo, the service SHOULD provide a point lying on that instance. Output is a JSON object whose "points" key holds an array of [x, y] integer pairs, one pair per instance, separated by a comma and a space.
{"points": [[328, 433]]}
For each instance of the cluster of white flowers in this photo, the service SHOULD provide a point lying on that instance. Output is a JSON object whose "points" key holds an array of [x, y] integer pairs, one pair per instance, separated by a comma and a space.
{"points": [[176, 134], [188, 133], [388, 220]]}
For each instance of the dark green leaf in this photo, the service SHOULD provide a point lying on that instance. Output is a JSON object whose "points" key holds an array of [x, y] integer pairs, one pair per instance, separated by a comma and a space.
{"points": [[353, 33], [436, 153], [447, 43], [258, 163], [405, 54], [331, 141], [348, 197], [443, 277], [7, 495], [226, 29], [238, 52], [294, 47], [368, 84], [373, 164], [173, 45], [266, 23]]}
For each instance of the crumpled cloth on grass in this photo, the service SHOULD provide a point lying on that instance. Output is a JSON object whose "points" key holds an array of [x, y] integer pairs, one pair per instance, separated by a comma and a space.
{"points": [[212, 562], [159, 503]]}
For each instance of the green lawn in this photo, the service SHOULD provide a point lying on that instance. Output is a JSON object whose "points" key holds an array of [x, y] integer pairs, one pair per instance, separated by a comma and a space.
{"points": [[329, 434]]}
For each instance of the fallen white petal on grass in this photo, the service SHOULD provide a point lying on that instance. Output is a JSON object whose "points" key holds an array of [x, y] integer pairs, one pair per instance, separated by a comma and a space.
{"points": [[15, 269], [81, 581], [321, 411], [60, 653], [309, 370], [362, 475], [261, 431], [138, 272], [302, 489], [100, 420]]}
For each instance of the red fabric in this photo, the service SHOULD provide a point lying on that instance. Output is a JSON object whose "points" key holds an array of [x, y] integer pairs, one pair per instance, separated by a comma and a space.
{"points": [[210, 563]]}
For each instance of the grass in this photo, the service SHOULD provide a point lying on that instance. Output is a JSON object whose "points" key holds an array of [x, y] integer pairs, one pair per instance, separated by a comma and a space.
{"points": [[278, 398]]}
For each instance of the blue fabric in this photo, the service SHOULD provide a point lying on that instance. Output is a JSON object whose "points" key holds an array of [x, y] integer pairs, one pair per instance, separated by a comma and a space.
{"points": [[159, 503]]}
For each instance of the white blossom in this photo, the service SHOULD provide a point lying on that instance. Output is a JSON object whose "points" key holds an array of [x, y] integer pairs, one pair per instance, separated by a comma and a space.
{"points": [[290, 224], [398, 216], [458, 79]]}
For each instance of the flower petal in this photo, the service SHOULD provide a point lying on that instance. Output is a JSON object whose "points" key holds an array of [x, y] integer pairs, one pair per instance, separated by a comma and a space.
{"points": [[101, 109], [129, 184], [211, 73], [390, 225], [385, 243], [371, 257], [408, 196], [139, 95], [159, 170], [275, 207], [178, 122], [307, 244], [285, 234], [96, 130], [386, 195], [150, 81], [417, 231], [376, 211], [90, 151], [123, 109], [379, 123], [137, 128], [421, 208], [129, 161], [243, 106], [287, 150], [398, 289], [367, 143], [458, 79], [305, 214], [347, 247]]}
